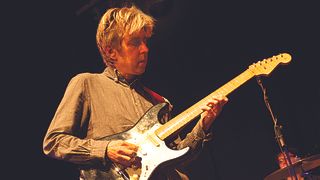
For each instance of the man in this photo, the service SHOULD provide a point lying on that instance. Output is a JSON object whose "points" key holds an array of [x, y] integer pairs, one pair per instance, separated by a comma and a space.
{"points": [[301, 174], [283, 163], [100, 105]]}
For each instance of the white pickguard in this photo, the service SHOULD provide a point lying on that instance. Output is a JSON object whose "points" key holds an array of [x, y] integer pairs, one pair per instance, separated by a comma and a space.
{"points": [[153, 152]]}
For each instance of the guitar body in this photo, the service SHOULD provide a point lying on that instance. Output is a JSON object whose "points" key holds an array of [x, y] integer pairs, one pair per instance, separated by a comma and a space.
{"points": [[152, 150]]}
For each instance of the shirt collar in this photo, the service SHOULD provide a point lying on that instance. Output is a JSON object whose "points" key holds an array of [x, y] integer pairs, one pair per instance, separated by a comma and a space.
{"points": [[114, 74]]}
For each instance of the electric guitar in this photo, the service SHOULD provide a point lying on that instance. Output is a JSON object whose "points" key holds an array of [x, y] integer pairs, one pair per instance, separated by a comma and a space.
{"points": [[149, 134]]}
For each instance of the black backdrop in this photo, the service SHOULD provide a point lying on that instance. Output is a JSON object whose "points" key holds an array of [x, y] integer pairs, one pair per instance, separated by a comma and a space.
{"points": [[196, 48]]}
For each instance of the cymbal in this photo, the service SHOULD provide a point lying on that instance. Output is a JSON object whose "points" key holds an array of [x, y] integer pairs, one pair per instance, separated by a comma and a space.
{"points": [[300, 166]]}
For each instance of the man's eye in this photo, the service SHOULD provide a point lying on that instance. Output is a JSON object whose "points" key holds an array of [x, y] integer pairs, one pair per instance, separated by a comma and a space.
{"points": [[135, 42]]}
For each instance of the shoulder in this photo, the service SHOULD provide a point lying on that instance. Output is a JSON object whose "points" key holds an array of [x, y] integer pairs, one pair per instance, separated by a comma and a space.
{"points": [[82, 80], [83, 76], [86, 77]]}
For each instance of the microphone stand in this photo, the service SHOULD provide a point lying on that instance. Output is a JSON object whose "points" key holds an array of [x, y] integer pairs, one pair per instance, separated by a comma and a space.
{"points": [[277, 131]]}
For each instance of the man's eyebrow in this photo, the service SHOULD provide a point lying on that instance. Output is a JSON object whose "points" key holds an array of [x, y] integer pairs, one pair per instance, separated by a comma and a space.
{"points": [[133, 38]]}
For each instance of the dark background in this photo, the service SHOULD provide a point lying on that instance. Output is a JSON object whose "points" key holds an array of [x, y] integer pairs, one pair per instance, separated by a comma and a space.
{"points": [[197, 47]]}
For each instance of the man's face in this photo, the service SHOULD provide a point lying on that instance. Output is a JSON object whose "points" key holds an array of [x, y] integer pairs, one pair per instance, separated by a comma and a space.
{"points": [[282, 160], [132, 56]]}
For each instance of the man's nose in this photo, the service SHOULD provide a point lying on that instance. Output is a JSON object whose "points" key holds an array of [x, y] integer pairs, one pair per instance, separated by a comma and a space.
{"points": [[144, 48]]}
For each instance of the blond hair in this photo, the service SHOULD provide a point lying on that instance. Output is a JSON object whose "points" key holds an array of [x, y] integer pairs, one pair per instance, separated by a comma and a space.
{"points": [[117, 22]]}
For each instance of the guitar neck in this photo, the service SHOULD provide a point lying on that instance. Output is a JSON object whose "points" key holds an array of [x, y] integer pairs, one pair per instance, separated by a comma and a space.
{"points": [[191, 113]]}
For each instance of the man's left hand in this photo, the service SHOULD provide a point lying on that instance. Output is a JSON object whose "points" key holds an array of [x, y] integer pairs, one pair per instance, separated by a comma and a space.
{"points": [[211, 111]]}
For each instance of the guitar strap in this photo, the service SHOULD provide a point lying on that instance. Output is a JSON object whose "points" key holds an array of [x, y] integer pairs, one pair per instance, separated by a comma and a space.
{"points": [[160, 99], [155, 95]]}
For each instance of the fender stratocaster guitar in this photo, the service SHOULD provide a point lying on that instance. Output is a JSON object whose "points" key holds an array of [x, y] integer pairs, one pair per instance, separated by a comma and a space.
{"points": [[149, 134]]}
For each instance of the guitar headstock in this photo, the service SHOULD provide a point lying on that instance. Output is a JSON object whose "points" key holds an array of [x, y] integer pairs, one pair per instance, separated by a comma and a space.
{"points": [[266, 66]]}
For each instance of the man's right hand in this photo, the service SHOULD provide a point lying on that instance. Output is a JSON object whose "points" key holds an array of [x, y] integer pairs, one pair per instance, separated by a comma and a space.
{"points": [[124, 153]]}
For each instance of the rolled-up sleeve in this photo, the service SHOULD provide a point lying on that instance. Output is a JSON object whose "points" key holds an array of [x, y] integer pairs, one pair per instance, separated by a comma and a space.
{"points": [[195, 140], [197, 137]]}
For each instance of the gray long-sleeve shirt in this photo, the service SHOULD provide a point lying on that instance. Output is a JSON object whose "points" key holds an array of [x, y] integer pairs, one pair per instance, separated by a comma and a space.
{"points": [[99, 105]]}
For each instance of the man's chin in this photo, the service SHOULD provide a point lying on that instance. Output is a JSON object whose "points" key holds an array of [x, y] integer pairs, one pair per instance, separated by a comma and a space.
{"points": [[140, 70]]}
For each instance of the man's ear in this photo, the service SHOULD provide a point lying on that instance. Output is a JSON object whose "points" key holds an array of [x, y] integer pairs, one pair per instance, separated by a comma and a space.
{"points": [[112, 53]]}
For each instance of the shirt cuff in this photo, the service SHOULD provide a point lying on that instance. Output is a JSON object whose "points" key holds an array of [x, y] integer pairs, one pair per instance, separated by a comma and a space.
{"points": [[201, 134], [99, 149]]}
